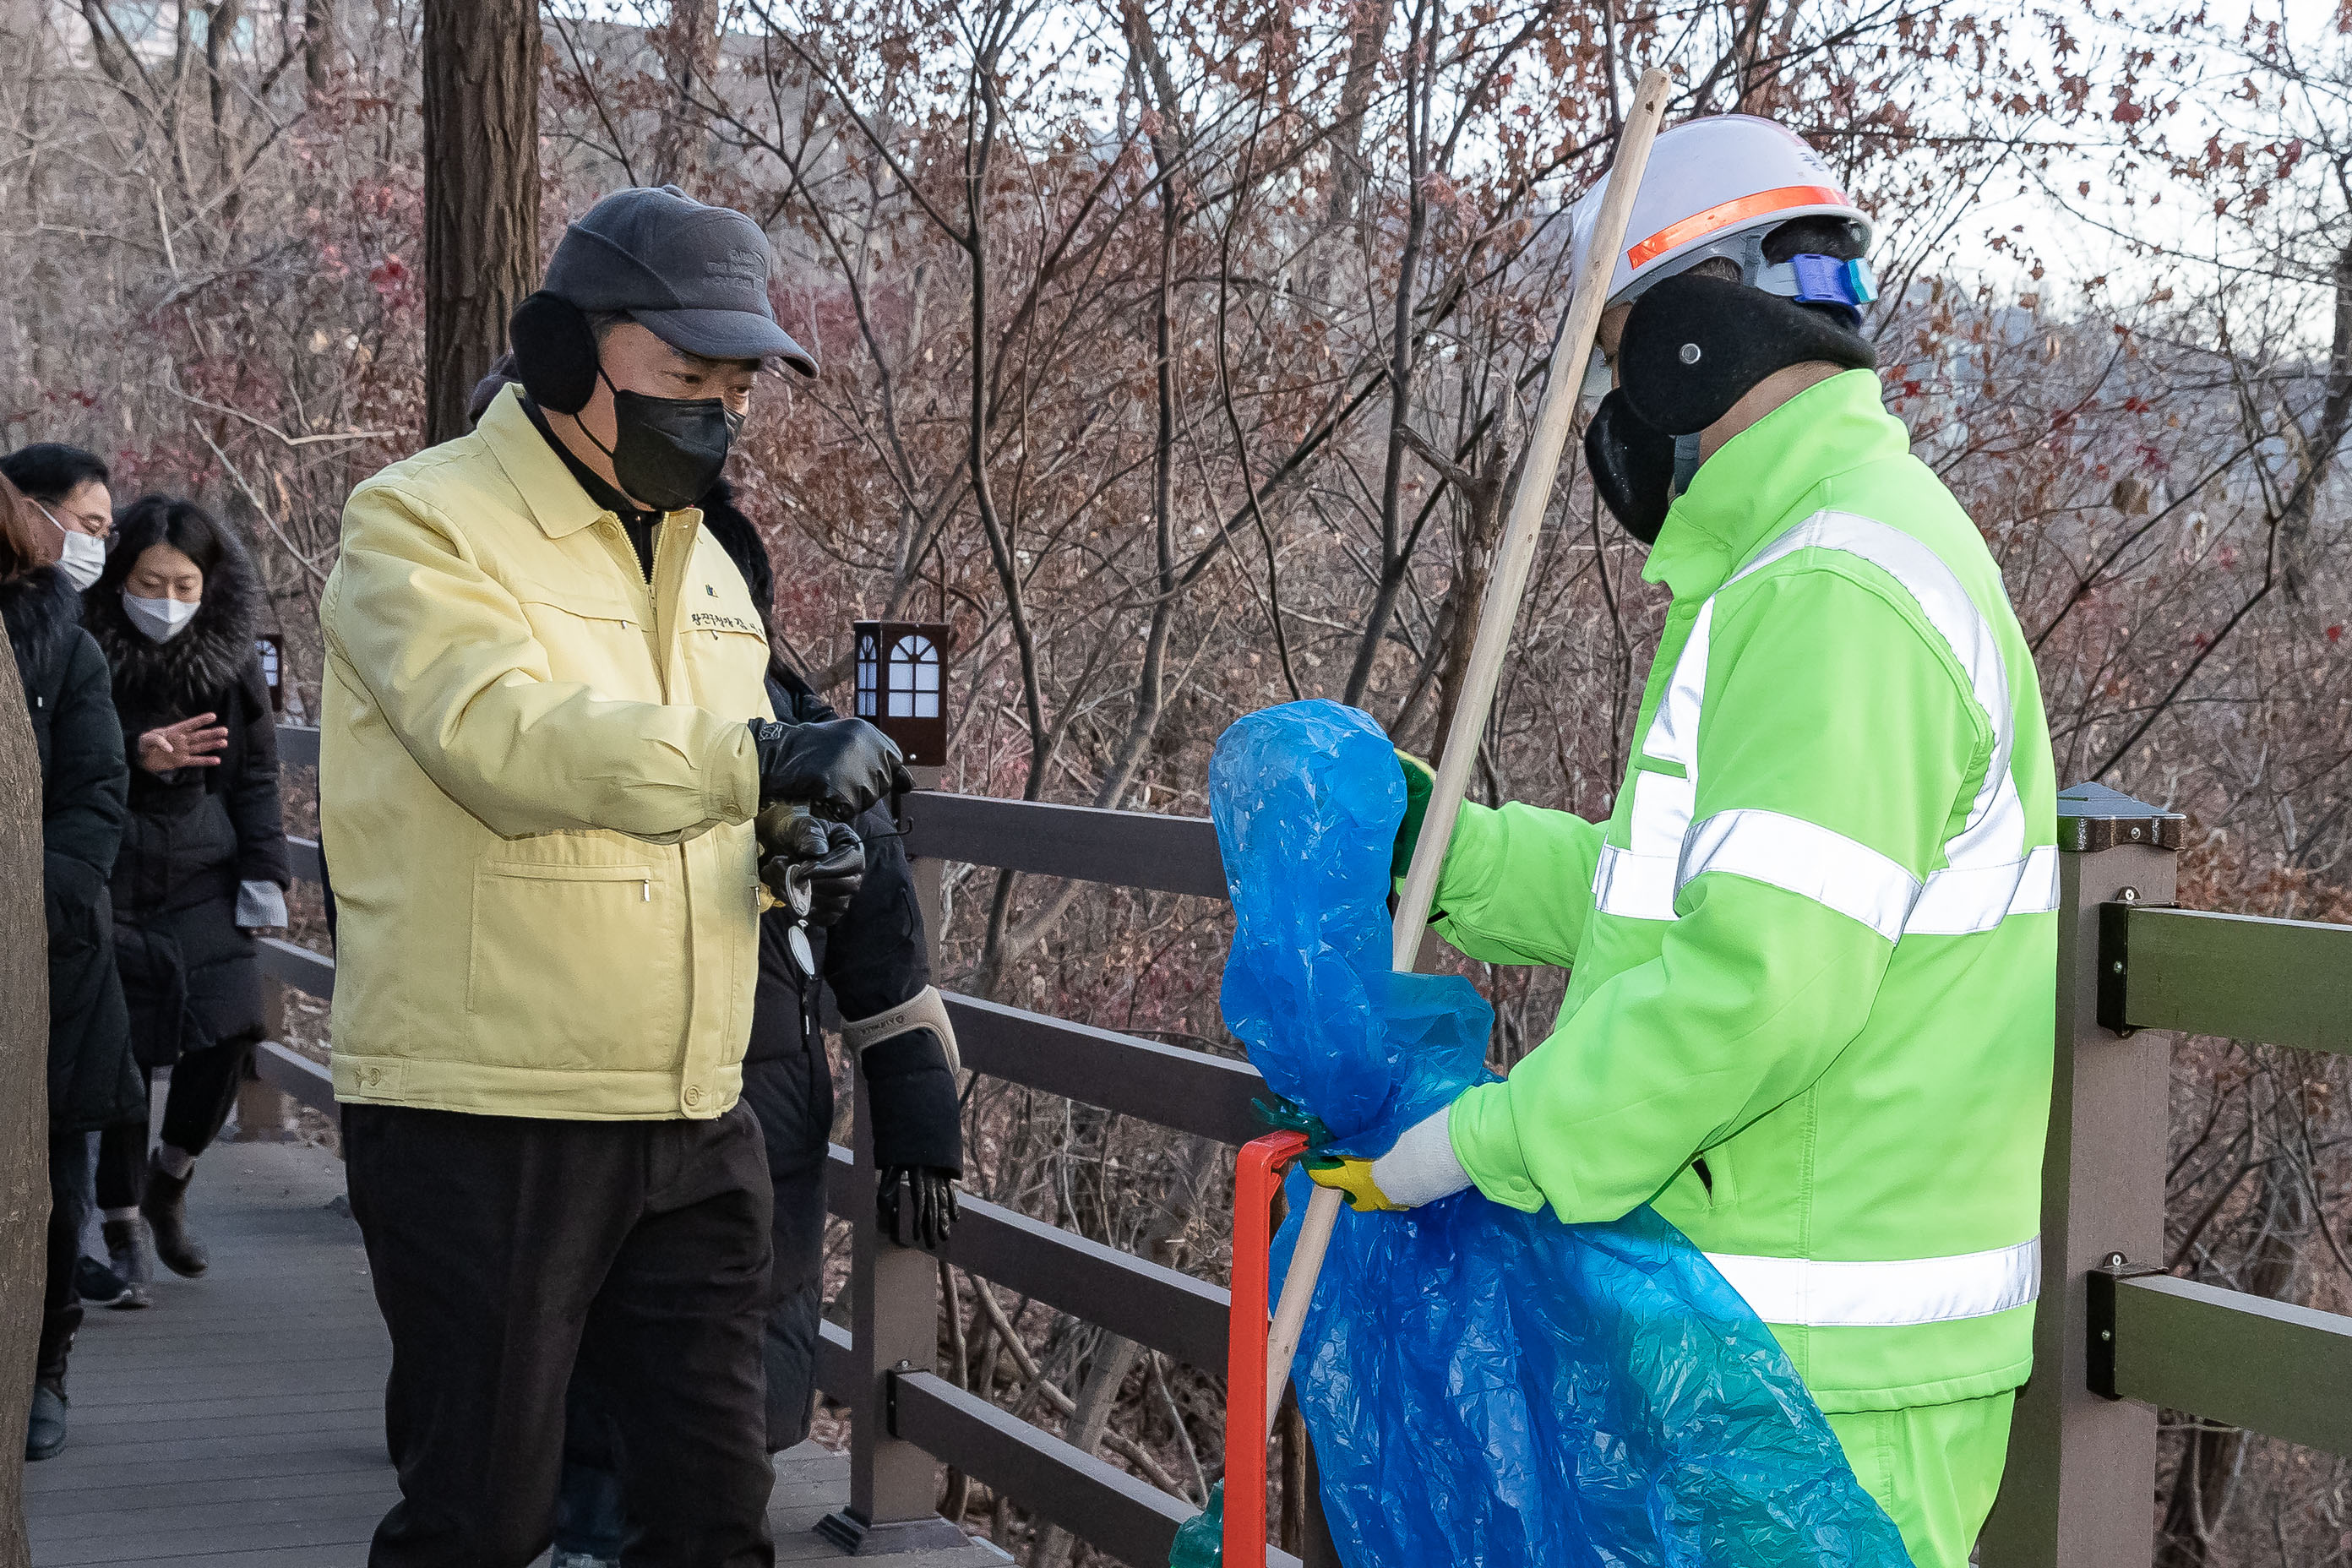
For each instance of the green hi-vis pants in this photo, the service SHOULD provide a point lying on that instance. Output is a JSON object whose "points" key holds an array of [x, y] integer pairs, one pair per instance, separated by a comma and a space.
{"points": [[1932, 1468]]}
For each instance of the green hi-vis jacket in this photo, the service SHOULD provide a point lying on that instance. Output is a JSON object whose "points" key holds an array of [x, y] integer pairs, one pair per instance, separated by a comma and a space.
{"points": [[1814, 947]]}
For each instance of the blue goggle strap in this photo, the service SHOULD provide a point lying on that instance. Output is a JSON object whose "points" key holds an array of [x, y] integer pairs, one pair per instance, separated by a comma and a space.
{"points": [[1811, 280]]}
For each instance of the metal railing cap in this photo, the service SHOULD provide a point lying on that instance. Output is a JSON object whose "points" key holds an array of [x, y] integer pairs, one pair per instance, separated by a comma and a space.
{"points": [[2091, 816]]}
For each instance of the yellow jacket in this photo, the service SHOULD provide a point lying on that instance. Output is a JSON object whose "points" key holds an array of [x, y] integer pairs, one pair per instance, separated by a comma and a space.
{"points": [[536, 781]]}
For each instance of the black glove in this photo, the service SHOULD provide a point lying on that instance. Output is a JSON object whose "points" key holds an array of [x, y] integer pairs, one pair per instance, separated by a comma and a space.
{"points": [[829, 856], [836, 768], [930, 1193]]}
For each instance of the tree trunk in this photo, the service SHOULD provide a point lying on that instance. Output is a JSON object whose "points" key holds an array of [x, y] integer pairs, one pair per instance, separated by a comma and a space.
{"points": [[481, 191], [220, 34], [318, 44], [2320, 451], [23, 1096], [1368, 34], [690, 54]]}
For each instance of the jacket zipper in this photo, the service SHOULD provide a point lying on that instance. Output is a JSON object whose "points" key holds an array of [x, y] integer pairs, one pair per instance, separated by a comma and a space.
{"points": [[664, 594]]}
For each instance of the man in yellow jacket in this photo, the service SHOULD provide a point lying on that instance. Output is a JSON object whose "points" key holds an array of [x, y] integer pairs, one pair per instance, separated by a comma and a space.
{"points": [[546, 740]]}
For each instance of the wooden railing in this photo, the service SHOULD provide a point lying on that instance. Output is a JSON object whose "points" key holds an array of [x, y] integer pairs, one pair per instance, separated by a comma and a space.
{"points": [[2115, 1338], [907, 1421]]}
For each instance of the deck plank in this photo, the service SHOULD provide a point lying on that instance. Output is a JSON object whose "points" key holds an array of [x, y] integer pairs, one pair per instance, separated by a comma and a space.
{"points": [[239, 1422]]}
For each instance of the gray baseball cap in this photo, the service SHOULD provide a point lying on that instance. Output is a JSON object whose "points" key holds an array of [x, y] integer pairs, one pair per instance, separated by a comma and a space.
{"points": [[693, 276]]}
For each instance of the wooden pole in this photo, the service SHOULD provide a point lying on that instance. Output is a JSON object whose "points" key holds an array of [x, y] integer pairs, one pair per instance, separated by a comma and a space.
{"points": [[1496, 618]]}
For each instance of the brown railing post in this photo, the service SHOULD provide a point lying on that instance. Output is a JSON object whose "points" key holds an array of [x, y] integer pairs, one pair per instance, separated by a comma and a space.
{"points": [[2079, 1489], [262, 1111], [894, 1324]]}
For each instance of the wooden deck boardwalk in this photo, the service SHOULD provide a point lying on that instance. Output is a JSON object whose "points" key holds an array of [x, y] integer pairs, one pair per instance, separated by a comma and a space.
{"points": [[239, 1422]]}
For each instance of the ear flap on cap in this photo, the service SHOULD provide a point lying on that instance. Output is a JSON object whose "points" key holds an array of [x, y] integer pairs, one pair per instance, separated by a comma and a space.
{"points": [[554, 352], [1694, 345]]}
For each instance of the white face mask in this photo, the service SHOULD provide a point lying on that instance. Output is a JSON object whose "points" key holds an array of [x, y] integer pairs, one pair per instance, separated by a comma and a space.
{"points": [[85, 553], [161, 619]]}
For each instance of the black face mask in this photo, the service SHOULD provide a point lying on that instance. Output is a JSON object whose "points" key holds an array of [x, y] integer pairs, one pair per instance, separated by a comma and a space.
{"points": [[1632, 467], [667, 451]]}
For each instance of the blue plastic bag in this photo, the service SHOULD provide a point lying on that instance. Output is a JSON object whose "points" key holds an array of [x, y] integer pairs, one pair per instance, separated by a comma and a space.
{"points": [[1484, 1385]]}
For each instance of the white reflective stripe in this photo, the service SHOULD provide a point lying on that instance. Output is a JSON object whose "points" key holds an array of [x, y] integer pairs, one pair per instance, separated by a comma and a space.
{"points": [[1636, 887], [1994, 832], [1673, 729], [1660, 816], [1988, 873], [1958, 900], [1813, 1294], [1637, 882], [1805, 858]]}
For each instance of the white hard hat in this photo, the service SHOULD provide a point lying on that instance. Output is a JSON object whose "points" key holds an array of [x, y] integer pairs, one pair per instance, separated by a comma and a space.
{"points": [[1715, 186]]}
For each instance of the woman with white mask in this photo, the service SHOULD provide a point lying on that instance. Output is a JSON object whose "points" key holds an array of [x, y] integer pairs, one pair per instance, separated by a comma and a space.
{"points": [[203, 865]]}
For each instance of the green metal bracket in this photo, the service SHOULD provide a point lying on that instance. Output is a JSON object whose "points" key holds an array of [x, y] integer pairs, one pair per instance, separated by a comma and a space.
{"points": [[2099, 1320]]}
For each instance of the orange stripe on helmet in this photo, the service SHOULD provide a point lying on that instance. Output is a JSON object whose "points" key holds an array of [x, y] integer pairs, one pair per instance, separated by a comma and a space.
{"points": [[1723, 215]]}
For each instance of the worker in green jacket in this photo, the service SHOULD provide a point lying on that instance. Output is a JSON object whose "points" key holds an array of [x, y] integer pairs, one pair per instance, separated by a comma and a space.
{"points": [[1813, 947]]}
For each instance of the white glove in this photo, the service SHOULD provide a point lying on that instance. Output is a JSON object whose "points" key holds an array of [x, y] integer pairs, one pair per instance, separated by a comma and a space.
{"points": [[260, 906], [1420, 1169]]}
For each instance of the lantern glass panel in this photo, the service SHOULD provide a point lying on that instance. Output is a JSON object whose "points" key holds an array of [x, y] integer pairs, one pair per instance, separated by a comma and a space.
{"points": [[869, 674], [914, 677]]}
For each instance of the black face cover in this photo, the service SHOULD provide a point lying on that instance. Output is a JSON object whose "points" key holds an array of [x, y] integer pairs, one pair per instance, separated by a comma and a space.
{"points": [[1632, 467], [1694, 344], [666, 451]]}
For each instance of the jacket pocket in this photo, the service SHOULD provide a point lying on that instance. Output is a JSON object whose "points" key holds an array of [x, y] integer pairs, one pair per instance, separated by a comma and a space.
{"points": [[726, 660], [1712, 1172], [597, 642], [576, 966]]}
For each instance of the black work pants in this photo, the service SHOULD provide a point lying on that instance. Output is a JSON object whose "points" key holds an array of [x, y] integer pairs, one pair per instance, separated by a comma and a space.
{"points": [[504, 1248], [60, 1302], [792, 1097], [202, 1092]]}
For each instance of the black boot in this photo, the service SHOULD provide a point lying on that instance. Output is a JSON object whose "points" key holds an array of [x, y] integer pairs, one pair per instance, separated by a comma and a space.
{"points": [[45, 1434], [165, 1206], [97, 1285], [126, 1248]]}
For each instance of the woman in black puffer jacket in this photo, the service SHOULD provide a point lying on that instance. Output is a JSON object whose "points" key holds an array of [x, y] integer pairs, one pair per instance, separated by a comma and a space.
{"points": [[203, 865], [91, 1080]]}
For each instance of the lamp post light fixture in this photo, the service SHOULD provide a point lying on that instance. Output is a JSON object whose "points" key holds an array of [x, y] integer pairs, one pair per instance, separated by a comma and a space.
{"points": [[272, 650], [901, 669]]}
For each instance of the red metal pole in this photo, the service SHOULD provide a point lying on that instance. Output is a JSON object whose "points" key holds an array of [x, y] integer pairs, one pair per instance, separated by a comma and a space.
{"points": [[1257, 1176]]}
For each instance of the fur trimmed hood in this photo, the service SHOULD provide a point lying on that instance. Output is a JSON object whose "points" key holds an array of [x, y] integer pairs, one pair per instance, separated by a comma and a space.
{"points": [[43, 612], [186, 674]]}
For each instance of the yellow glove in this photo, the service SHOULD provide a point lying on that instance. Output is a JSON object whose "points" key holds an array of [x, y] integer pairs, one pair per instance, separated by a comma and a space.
{"points": [[1353, 1180], [1420, 1169]]}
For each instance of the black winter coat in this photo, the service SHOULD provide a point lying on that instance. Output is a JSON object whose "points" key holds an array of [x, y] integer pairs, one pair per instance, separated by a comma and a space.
{"points": [[190, 974], [872, 960], [92, 1082]]}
